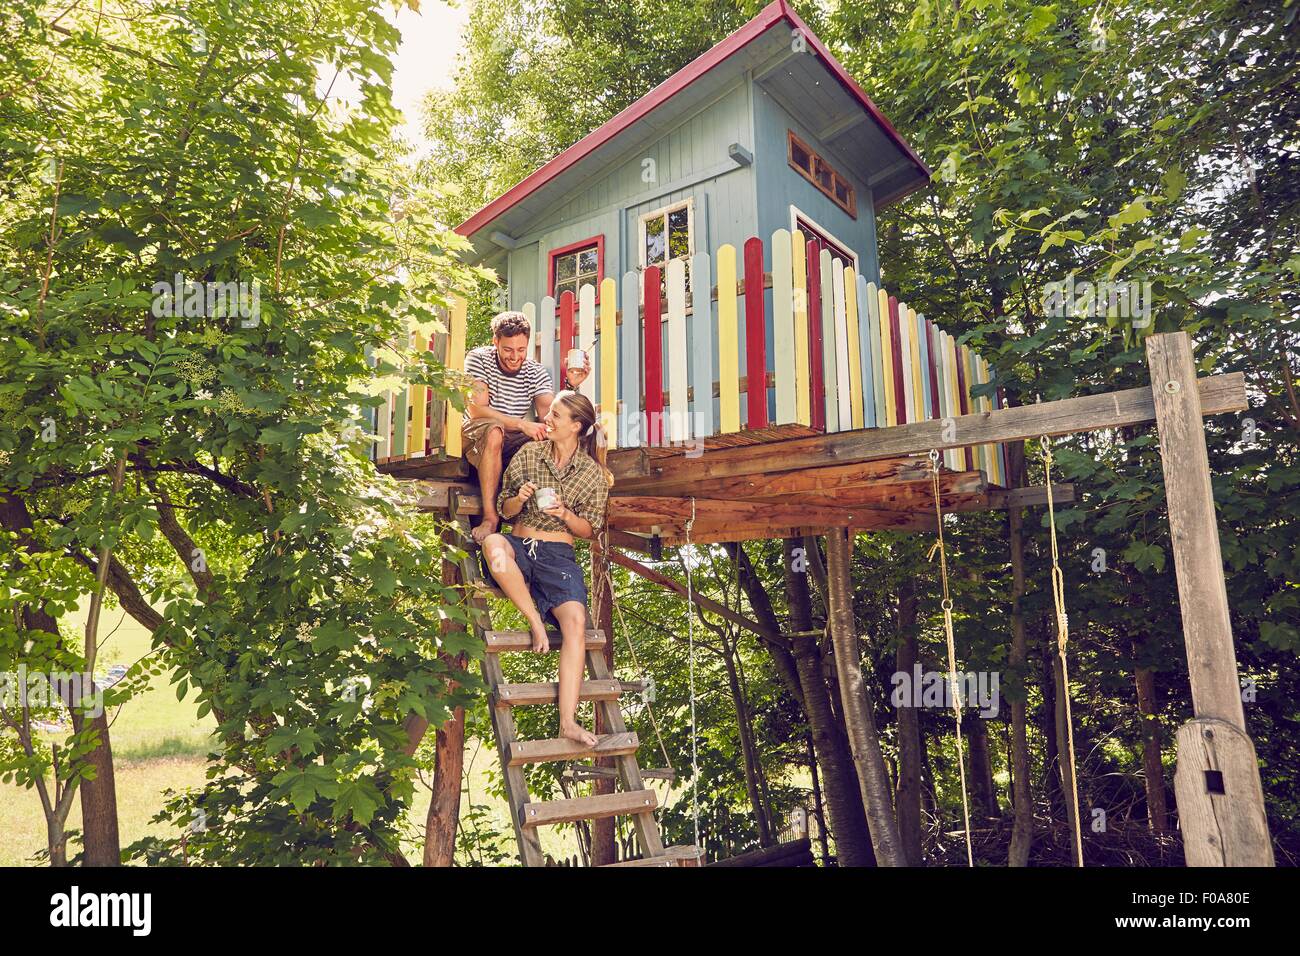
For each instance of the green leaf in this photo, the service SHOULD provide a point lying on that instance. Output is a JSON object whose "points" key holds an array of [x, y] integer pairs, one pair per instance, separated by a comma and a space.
{"points": [[360, 798]]}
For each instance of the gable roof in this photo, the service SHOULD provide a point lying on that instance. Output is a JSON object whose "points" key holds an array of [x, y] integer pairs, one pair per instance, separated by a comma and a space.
{"points": [[692, 84]]}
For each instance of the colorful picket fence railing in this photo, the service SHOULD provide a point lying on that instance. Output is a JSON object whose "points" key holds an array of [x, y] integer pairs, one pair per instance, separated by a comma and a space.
{"points": [[832, 351]]}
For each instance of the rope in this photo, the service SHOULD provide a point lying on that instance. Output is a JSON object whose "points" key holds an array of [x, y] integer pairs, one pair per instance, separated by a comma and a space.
{"points": [[1062, 640], [946, 604], [690, 634]]}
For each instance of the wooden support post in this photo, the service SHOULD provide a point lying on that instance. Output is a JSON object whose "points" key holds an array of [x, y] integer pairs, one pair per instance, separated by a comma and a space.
{"points": [[602, 613], [863, 740], [1220, 799]]}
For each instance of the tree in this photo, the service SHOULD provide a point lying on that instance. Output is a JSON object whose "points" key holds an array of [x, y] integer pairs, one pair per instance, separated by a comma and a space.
{"points": [[210, 268]]}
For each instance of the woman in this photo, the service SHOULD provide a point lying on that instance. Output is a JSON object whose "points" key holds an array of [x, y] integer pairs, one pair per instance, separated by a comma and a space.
{"points": [[534, 564]]}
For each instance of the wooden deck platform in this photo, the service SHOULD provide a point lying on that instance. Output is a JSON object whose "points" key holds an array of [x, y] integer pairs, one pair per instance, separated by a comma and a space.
{"points": [[774, 483]]}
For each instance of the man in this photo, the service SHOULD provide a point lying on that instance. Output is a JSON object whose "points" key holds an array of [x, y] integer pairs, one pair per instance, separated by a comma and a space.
{"points": [[507, 383]]}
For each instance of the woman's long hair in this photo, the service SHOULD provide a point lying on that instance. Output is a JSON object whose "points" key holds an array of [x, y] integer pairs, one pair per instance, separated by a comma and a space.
{"points": [[592, 437]]}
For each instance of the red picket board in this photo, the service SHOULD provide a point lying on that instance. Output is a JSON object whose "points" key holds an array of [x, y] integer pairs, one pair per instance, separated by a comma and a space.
{"points": [[755, 335], [653, 351], [816, 378], [566, 331], [896, 348]]}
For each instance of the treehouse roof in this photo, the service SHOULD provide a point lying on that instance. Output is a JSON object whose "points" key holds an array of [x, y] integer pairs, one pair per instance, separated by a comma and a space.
{"points": [[805, 73]]}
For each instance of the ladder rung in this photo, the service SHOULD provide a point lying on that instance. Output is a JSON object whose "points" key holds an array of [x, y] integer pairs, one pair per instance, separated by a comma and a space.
{"points": [[588, 808], [500, 642], [522, 695], [540, 751], [608, 773], [673, 856]]}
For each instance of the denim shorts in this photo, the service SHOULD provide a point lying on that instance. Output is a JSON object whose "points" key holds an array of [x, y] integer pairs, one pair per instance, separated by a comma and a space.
{"points": [[551, 571]]}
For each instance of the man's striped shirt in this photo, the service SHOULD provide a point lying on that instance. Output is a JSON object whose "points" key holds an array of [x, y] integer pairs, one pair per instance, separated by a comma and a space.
{"points": [[510, 394]]}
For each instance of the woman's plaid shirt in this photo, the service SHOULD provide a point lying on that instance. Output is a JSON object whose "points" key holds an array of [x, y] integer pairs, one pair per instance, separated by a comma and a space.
{"points": [[581, 485]]}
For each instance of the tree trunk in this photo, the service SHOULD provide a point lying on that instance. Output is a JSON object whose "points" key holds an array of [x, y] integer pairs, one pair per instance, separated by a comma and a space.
{"points": [[1051, 759], [843, 801], [101, 840], [748, 752], [818, 809], [99, 831], [907, 797], [983, 792], [1153, 768], [760, 603], [859, 719], [604, 848], [1022, 800], [444, 809], [443, 818], [1069, 787]]}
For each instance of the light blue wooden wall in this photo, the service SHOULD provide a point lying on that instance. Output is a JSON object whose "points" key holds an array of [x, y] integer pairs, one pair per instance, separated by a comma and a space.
{"points": [[732, 203], [780, 186]]}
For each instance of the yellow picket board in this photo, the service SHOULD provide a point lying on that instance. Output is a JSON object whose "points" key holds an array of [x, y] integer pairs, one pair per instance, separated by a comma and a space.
{"points": [[609, 360], [802, 394], [419, 394], [456, 361], [728, 342], [887, 360], [855, 346]]}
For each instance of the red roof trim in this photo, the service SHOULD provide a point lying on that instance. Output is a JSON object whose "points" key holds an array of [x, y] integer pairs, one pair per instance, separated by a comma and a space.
{"points": [[768, 17]]}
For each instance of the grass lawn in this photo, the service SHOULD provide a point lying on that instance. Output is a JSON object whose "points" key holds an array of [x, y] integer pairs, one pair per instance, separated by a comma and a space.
{"points": [[159, 743]]}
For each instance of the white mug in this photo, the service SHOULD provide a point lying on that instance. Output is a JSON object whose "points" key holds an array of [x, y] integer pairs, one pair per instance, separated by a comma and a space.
{"points": [[576, 359], [546, 498]]}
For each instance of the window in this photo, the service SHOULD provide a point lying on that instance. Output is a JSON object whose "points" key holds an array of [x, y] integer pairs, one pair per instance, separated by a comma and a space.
{"points": [[576, 265], [815, 233], [668, 234], [822, 175]]}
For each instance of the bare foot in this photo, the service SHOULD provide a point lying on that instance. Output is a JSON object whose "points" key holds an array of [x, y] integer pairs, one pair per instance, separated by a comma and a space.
{"points": [[484, 528], [541, 642], [574, 731]]}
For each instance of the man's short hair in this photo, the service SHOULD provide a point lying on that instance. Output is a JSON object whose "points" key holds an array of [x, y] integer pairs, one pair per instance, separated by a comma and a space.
{"points": [[507, 324]]}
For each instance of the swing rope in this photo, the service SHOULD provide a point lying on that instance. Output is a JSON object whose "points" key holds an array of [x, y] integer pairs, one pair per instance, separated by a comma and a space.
{"points": [[946, 604], [690, 634], [1062, 639]]}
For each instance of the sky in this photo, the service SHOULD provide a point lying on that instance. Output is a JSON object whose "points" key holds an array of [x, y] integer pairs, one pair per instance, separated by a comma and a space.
{"points": [[426, 58], [430, 42]]}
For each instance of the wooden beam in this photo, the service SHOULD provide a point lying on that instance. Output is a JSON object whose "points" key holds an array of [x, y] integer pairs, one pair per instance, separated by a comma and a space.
{"points": [[1134, 406], [649, 510], [663, 580], [830, 478], [891, 521], [1221, 826]]}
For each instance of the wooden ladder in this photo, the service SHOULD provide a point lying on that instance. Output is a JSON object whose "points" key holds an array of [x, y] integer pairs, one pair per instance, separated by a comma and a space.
{"points": [[634, 799]]}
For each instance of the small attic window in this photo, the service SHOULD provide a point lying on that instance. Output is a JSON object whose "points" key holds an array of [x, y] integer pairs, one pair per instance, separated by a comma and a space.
{"points": [[821, 174], [575, 265]]}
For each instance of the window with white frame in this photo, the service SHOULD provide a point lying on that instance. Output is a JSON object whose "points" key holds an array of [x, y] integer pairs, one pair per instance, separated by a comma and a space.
{"points": [[666, 234]]}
